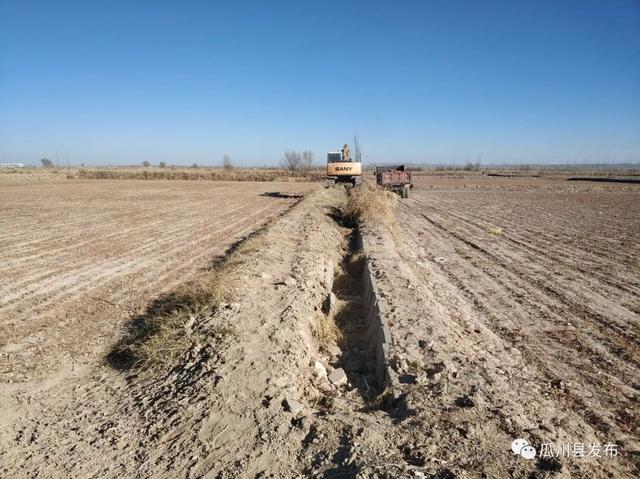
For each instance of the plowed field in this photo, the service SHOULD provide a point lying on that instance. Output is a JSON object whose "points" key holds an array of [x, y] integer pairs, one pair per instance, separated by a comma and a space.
{"points": [[78, 257], [538, 285]]}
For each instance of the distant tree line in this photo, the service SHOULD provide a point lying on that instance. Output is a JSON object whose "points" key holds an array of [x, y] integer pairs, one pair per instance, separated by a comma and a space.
{"points": [[295, 161], [147, 164]]}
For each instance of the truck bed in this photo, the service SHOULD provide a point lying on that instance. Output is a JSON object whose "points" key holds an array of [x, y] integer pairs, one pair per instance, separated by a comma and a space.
{"points": [[393, 178]]}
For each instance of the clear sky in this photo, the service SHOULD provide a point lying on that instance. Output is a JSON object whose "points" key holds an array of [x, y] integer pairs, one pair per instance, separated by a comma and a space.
{"points": [[120, 82]]}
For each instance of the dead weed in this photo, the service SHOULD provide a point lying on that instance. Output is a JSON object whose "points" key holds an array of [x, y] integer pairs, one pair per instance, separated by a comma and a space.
{"points": [[325, 331], [165, 331], [371, 204]]}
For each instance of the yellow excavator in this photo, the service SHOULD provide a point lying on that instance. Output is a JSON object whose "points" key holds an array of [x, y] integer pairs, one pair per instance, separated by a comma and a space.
{"points": [[342, 169]]}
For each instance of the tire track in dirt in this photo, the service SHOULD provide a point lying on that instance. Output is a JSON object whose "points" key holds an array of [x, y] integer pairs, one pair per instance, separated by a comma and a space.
{"points": [[620, 304], [528, 345], [553, 242]]}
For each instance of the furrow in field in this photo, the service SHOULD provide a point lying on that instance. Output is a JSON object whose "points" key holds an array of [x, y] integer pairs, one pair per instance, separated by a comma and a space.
{"points": [[74, 284], [90, 214], [516, 284], [550, 240], [514, 311], [167, 277], [555, 269], [25, 229], [90, 230], [586, 295], [146, 247], [550, 289], [608, 248]]}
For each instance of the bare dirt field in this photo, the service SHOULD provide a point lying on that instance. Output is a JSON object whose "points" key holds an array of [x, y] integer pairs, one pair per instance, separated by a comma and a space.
{"points": [[534, 316], [79, 257], [513, 306]]}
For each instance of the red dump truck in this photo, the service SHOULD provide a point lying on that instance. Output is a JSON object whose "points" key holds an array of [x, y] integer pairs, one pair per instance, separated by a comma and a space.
{"points": [[393, 177]]}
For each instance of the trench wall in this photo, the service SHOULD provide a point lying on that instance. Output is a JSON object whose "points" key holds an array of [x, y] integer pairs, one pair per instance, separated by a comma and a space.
{"points": [[377, 333]]}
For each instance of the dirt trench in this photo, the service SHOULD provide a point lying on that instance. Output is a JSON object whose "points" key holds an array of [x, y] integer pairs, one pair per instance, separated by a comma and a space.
{"points": [[244, 400], [349, 313]]}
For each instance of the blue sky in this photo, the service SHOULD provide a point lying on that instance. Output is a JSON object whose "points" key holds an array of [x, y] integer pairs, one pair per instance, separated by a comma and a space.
{"points": [[120, 82]]}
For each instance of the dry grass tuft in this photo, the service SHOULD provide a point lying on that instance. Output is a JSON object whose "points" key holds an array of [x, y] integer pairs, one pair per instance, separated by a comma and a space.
{"points": [[258, 243], [169, 336], [168, 328], [346, 279], [215, 287], [164, 339], [370, 204], [325, 330]]}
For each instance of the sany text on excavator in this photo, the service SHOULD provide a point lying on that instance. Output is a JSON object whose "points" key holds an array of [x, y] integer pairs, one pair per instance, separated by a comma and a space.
{"points": [[342, 169]]}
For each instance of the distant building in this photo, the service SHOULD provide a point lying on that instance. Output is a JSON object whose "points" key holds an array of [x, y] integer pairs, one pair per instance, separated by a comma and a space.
{"points": [[11, 165]]}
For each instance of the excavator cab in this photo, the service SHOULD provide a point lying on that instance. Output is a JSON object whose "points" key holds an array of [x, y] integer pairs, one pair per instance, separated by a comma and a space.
{"points": [[341, 168]]}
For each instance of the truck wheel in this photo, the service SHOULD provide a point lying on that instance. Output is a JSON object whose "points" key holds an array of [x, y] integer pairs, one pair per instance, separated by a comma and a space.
{"points": [[405, 192]]}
